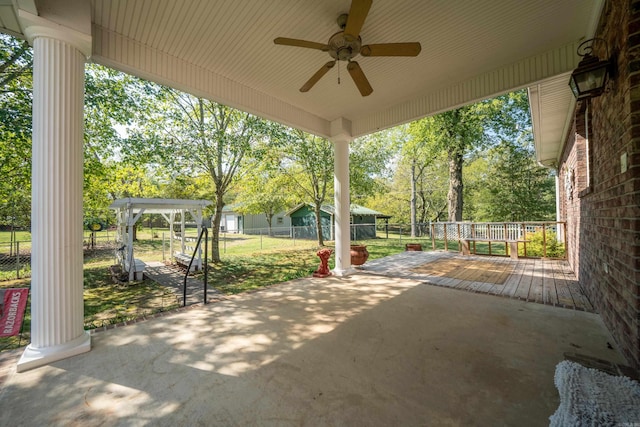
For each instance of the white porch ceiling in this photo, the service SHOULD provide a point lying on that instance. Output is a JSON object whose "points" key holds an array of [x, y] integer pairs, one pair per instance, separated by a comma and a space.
{"points": [[224, 50]]}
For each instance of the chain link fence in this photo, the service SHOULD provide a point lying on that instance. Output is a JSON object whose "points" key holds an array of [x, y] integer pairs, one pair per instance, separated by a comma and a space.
{"points": [[154, 244], [15, 260], [15, 257]]}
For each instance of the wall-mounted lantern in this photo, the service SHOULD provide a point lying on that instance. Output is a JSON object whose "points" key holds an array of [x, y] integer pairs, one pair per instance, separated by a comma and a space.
{"points": [[590, 78]]}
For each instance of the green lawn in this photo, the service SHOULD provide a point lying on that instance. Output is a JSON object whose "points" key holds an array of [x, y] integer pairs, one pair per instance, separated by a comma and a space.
{"points": [[243, 270], [20, 236]]}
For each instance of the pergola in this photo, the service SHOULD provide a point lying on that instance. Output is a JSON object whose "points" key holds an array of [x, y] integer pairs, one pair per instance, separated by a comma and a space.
{"points": [[224, 51], [129, 211]]}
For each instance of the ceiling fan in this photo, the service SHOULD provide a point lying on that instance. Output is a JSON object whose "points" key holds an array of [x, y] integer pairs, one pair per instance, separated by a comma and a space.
{"points": [[347, 44]]}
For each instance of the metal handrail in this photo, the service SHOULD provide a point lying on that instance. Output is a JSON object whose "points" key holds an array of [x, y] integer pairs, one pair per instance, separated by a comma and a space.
{"points": [[204, 232]]}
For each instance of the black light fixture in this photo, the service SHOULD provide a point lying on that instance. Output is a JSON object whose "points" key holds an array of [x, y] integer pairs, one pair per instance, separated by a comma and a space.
{"points": [[590, 78]]}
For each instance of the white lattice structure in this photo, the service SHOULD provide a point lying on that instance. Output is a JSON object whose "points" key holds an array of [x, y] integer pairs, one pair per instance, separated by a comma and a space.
{"points": [[129, 211]]}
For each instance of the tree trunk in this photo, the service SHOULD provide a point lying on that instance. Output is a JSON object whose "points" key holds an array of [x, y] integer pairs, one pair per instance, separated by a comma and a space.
{"points": [[269, 220], [454, 197], [413, 199], [215, 230], [319, 225]]}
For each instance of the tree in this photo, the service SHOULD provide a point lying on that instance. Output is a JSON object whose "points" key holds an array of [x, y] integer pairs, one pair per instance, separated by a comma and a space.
{"points": [[264, 190], [517, 189], [308, 161], [426, 184], [369, 159], [460, 130], [113, 101], [463, 131], [195, 135], [266, 197], [16, 60], [419, 154]]}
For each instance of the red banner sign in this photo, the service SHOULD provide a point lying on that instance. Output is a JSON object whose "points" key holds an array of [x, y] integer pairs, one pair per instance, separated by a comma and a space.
{"points": [[12, 311]]}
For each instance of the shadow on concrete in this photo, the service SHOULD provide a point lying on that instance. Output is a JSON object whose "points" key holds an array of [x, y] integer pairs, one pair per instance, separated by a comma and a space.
{"points": [[364, 350]]}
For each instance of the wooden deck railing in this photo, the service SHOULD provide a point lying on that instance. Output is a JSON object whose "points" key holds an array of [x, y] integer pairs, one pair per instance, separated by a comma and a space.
{"points": [[538, 239]]}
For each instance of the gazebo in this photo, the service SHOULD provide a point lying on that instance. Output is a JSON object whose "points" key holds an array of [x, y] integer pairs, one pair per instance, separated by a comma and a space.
{"points": [[129, 211]]}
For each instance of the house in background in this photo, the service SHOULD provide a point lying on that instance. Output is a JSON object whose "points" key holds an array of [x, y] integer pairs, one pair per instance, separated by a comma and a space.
{"points": [[363, 221], [236, 222]]}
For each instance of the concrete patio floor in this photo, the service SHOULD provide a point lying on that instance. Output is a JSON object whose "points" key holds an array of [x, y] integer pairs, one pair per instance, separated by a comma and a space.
{"points": [[363, 350]]}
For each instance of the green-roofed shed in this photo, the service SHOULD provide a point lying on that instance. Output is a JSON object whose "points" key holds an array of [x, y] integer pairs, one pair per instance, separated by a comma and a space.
{"points": [[363, 221]]}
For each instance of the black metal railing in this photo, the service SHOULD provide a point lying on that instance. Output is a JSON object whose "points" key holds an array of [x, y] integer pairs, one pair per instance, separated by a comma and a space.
{"points": [[204, 233]]}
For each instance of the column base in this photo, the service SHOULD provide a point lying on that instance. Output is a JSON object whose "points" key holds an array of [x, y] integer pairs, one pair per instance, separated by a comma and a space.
{"points": [[344, 272], [36, 357]]}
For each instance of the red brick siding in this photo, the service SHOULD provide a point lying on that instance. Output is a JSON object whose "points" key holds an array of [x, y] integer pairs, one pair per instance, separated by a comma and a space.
{"points": [[603, 221], [573, 162]]}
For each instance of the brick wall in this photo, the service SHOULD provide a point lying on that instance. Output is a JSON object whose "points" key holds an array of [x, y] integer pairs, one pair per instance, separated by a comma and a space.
{"points": [[572, 179], [603, 217]]}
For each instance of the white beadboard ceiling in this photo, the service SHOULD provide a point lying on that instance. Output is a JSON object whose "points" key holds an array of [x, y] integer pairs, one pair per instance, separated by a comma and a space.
{"points": [[224, 50]]}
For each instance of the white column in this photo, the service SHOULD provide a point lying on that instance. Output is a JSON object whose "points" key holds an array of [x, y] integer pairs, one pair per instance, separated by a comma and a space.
{"points": [[342, 204], [182, 232], [130, 260], [172, 218], [57, 310], [560, 233]]}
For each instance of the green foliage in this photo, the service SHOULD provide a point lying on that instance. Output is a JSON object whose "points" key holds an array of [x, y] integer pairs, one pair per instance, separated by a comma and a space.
{"points": [[16, 60], [480, 155], [264, 189], [195, 137], [369, 159], [536, 245], [515, 187], [308, 162], [241, 273]]}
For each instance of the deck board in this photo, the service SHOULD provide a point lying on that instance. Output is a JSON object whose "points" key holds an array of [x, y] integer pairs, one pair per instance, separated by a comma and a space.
{"points": [[514, 279], [526, 278], [562, 287], [550, 282], [580, 299], [550, 292], [535, 292]]}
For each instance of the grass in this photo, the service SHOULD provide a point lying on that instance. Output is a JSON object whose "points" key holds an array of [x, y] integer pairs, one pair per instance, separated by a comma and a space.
{"points": [[21, 236], [239, 244], [241, 273], [108, 303], [238, 273]]}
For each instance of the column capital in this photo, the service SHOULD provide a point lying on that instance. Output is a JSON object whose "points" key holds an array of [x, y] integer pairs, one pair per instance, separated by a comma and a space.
{"points": [[35, 26], [341, 130]]}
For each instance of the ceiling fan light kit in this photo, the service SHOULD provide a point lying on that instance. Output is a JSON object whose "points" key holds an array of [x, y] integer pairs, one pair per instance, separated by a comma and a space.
{"points": [[347, 44]]}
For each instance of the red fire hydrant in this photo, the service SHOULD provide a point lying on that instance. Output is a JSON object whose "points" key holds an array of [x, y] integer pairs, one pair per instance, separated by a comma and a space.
{"points": [[323, 269]]}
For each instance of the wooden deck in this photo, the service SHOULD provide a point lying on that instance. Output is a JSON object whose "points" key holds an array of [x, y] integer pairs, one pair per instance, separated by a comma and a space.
{"points": [[549, 282]]}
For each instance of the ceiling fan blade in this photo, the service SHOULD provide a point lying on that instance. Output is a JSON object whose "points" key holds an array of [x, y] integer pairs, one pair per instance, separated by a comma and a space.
{"points": [[359, 78], [317, 76], [300, 43], [357, 14], [391, 49]]}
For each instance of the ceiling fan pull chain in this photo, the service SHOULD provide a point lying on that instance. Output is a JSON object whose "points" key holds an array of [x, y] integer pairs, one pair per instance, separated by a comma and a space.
{"points": [[338, 71]]}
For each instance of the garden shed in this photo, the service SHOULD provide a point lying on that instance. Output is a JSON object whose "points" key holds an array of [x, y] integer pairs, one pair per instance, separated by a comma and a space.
{"points": [[362, 221], [128, 212]]}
